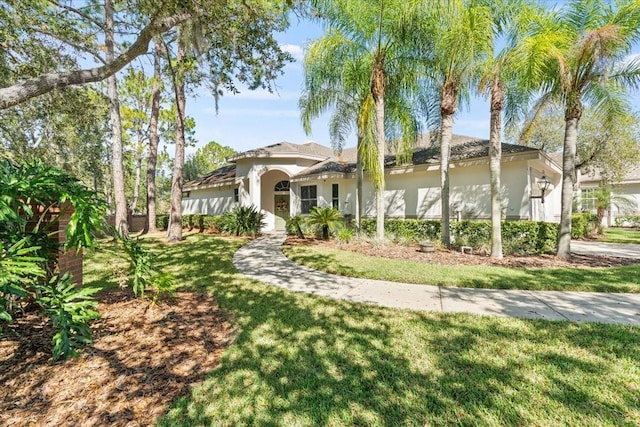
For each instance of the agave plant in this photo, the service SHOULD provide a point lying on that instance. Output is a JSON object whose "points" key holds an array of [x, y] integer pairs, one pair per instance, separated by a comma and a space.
{"points": [[325, 219]]}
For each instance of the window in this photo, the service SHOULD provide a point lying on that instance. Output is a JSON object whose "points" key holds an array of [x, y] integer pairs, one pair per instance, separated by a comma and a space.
{"points": [[588, 200], [186, 194], [308, 198], [236, 195], [282, 186], [335, 200]]}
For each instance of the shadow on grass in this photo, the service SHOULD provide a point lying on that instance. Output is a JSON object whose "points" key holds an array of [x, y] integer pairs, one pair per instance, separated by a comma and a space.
{"points": [[304, 360], [614, 279]]}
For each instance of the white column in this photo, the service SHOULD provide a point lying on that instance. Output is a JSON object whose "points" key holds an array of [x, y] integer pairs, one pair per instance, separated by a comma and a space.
{"points": [[254, 188]]}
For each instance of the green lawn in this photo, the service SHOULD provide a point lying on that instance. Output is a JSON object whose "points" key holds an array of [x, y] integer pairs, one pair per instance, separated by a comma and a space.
{"points": [[347, 263], [620, 235], [301, 360]]}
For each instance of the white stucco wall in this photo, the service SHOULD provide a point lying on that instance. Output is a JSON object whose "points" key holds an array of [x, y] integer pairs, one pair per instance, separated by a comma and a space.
{"points": [[210, 201], [417, 194]]}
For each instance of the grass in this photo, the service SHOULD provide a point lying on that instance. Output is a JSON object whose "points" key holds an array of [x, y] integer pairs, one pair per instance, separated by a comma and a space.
{"points": [[620, 235], [347, 263], [301, 360]]}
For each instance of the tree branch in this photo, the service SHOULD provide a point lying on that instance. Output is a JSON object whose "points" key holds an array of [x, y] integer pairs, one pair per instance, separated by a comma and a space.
{"points": [[27, 89], [79, 13]]}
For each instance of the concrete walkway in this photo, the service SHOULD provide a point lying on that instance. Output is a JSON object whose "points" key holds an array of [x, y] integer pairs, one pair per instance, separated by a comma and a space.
{"points": [[262, 259], [622, 250]]}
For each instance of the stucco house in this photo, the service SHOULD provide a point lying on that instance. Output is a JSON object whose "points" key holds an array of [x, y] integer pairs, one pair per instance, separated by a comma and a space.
{"points": [[286, 179], [626, 199]]}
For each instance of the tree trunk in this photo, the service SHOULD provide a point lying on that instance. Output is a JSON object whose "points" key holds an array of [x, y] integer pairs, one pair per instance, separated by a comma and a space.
{"points": [[154, 137], [495, 157], [359, 179], [598, 229], [175, 219], [378, 97], [448, 105], [445, 153], [138, 174], [121, 224], [568, 168]]}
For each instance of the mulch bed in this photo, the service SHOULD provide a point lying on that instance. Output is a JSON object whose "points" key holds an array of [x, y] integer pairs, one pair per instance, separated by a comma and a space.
{"points": [[450, 257], [144, 356]]}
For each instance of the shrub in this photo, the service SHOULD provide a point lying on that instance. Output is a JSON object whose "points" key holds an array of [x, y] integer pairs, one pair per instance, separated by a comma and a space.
{"points": [[27, 276], [294, 225], [325, 219], [345, 234], [243, 221], [628, 221], [519, 237], [162, 222], [582, 225]]}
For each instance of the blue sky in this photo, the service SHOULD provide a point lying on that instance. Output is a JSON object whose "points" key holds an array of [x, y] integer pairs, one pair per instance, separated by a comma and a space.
{"points": [[253, 119], [257, 118]]}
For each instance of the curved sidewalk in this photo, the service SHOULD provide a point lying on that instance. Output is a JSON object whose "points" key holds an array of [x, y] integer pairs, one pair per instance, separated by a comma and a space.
{"points": [[262, 259]]}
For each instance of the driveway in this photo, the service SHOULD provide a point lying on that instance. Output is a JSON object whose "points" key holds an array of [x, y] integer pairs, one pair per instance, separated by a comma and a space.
{"points": [[622, 250]]}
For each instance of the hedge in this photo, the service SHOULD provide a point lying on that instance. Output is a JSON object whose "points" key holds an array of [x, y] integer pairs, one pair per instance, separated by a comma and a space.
{"points": [[200, 221], [628, 221], [518, 237]]}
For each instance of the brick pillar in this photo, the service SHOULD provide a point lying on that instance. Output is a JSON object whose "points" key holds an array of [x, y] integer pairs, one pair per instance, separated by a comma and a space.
{"points": [[57, 219]]}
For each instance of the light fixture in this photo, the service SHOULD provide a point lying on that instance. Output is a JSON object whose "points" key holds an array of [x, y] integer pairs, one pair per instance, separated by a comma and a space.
{"points": [[543, 185]]}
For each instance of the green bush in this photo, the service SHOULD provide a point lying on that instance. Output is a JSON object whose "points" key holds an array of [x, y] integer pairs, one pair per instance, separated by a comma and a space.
{"points": [[325, 219], [162, 222], [345, 234], [242, 221], [629, 220], [295, 225], [582, 225], [28, 245], [519, 237]]}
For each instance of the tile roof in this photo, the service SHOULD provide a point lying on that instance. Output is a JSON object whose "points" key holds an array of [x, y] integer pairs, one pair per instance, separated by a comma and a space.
{"points": [[225, 173], [426, 151], [308, 148]]}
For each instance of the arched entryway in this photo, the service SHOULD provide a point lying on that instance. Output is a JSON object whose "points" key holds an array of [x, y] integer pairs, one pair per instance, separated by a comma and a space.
{"points": [[276, 199]]}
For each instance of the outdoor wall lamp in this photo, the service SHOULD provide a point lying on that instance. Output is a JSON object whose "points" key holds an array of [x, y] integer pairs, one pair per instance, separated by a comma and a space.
{"points": [[543, 185]]}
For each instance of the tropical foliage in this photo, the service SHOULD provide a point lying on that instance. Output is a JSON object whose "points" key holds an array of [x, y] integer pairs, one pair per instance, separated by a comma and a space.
{"points": [[30, 194], [243, 221], [325, 219], [579, 53], [360, 68]]}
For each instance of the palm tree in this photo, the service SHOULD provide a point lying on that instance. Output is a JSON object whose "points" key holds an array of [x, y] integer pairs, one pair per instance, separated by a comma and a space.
{"points": [[458, 37], [584, 48], [368, 39], [337, 75], [503, 83], [325, 218]]}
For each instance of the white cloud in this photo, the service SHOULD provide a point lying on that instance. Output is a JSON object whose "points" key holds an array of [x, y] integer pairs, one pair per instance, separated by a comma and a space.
{"points": [[295, 50]]}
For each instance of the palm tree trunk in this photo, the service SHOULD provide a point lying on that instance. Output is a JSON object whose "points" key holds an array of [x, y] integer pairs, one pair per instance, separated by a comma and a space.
{"points": [[121, 224], [359, 179], [175, 218], [495, 156], [154, 137], [445, 153], [568, 168], [378, 96], [448, 105]]}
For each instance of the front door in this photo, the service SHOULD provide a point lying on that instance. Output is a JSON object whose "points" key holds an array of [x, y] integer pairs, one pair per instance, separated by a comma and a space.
{"points": [[281, 204]]}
